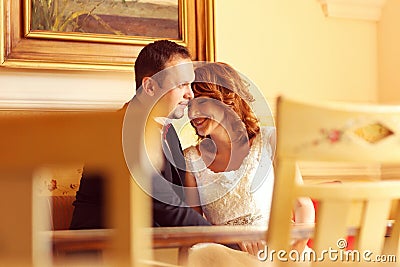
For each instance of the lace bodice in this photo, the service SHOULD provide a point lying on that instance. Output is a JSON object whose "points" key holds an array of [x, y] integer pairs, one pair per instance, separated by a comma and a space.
{"points": [[242, 196]]}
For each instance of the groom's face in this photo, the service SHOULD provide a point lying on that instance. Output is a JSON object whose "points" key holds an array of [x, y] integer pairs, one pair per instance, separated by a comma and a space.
{"points": [[176, 87]]}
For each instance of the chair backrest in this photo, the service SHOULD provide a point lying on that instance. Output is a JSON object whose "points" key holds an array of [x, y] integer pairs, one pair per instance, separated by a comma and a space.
{"points": [[31, 140], [336, 132]]}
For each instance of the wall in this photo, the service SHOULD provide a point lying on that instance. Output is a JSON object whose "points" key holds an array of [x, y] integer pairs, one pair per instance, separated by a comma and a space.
{"points": [[389, 53], [290, 47]]}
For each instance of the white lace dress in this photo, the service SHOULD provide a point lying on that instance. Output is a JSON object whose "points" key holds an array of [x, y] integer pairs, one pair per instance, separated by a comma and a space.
{"points": [[242, 196]]}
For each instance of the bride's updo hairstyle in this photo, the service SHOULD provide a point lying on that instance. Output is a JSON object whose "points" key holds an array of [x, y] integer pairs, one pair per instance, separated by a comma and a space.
{"points": [[221, 82]]}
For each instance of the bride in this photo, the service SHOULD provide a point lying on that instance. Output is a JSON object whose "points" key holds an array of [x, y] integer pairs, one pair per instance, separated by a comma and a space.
{"points": [[230, 174]]}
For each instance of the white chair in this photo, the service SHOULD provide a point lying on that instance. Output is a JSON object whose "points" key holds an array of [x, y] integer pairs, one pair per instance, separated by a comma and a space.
{"points": [[334, 132]]}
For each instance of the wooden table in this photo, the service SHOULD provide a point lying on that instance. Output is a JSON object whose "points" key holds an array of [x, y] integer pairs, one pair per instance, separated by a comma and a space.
{"points": [[169, 237], [64, 241], [166, 237]]}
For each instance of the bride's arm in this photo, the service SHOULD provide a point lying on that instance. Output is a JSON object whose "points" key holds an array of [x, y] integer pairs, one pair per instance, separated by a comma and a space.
{"points": [[304, 209], [304, 213], [192, 195]]}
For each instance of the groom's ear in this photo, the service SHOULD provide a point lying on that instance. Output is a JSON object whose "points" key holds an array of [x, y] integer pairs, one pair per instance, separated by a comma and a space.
{"points": [[149, 86]]}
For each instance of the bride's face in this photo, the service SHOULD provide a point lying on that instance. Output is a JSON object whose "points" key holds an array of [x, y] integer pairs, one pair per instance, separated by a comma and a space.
{"points": [[206, 115]]}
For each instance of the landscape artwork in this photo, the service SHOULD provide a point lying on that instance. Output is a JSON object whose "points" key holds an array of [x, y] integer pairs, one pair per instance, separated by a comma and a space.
{"points": [[136, 18]]}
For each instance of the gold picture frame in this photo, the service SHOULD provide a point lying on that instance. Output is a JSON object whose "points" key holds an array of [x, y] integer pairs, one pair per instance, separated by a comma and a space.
{"points": [[22, 48]]}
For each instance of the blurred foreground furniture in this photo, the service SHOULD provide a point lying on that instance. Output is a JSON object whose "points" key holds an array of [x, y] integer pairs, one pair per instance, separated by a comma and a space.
{"points": [[31, 140], [347, 133]]}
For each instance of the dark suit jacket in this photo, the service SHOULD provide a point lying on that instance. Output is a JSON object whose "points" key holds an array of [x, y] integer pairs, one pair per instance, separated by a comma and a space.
{"points": [[168, 204], [173, 212]]}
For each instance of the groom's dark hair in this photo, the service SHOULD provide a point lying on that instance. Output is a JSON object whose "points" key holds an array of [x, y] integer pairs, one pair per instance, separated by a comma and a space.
{"points": [[153, 57]]}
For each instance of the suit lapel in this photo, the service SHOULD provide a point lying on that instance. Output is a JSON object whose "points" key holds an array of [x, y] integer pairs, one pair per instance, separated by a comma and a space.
{"points": [[175, 166]]}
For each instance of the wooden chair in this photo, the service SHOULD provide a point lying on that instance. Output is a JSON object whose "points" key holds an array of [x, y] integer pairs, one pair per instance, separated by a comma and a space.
{"points": [[34, 139], [335, 132]]}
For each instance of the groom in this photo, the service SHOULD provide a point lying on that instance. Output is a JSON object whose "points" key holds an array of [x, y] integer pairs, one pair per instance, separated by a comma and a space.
{"points": [[163, 75]]}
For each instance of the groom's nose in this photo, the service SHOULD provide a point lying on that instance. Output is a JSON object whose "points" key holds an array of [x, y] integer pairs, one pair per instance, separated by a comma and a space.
{"points": [[188, 92]]}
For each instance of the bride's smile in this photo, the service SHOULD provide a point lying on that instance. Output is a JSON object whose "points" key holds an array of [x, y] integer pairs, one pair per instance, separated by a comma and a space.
{"points": [[198, 122]]}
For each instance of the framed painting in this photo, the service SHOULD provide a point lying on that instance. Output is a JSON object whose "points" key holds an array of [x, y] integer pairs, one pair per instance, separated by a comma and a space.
{"points": [[99, 34]]}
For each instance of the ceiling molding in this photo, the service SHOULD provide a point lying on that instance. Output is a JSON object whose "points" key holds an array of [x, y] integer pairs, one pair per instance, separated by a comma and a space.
{"points": [[353, 9]]}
